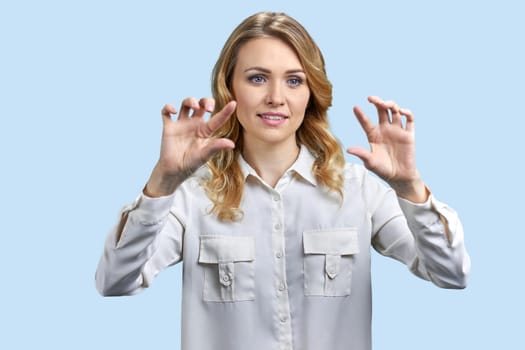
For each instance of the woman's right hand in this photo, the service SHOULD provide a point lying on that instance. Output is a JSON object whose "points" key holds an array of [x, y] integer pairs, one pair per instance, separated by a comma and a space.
{"points": [[187, 143]]}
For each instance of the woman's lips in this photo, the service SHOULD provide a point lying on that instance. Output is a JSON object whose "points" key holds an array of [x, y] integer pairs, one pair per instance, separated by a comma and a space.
{"points": [[273, 119]]}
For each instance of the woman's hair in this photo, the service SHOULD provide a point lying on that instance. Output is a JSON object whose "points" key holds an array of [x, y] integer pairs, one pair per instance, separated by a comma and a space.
{"points": [[225, 186]]}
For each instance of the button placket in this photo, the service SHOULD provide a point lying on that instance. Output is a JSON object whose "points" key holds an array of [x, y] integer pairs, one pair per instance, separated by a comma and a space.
{"points": [[278, 242]]}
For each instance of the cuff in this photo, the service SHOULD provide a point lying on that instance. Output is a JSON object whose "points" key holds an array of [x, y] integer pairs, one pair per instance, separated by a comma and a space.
{"points": [[143, 218], [151, 211], [429, 213], [423, 213]]}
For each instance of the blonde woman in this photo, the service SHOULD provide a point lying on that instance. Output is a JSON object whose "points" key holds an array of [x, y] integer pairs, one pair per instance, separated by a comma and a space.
{"points": [[273, 227]]}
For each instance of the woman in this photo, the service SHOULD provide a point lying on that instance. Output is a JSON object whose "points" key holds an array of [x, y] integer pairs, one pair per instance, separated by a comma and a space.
{"points": [[273, 227]]}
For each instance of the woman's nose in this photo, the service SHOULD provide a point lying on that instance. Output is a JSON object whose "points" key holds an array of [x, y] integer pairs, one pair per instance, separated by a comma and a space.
{"points": [[275, 95]]}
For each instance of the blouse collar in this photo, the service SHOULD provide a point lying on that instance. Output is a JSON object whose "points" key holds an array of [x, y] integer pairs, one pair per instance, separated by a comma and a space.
{"points": [[302, 166]]}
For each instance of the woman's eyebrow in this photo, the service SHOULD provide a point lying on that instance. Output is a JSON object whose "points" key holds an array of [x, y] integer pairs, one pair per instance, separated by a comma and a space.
{"points": [[267, 71], [259, 69], [293, 71]]}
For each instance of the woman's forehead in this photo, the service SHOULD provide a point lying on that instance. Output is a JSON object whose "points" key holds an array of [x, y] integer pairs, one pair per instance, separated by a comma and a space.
{"points": [[269, 53]]}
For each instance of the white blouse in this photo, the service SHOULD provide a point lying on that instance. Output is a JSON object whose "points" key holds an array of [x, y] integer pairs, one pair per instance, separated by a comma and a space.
{"points": [[294, 273]]}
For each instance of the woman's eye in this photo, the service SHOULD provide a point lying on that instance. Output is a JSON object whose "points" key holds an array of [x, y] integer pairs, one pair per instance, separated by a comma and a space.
{"points": [[295, 81], [257, 79]]}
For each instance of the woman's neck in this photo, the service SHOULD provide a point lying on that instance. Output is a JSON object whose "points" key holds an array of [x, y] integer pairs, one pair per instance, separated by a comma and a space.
{"points": [[270, 161]]}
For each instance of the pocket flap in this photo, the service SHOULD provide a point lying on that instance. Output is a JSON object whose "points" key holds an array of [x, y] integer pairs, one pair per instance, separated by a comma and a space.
{"points": [[332, 242], [224, 249]]}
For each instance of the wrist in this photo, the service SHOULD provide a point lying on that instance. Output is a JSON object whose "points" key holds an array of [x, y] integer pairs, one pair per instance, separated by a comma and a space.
{"points": [[412, 190], [161, 184]]}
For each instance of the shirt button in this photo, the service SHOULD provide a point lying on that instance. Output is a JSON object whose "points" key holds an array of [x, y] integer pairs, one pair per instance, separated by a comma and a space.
{"points": [[282, 287], [226, 280], [284, 318], [277, 226], [276, 198], [278, 255]]}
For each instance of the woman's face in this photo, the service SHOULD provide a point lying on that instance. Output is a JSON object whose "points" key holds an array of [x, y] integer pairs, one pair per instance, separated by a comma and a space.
{"points": [[269, 85]]}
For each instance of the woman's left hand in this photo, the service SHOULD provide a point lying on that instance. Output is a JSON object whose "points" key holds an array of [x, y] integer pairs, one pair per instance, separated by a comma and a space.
{"points": [[392, 154]]}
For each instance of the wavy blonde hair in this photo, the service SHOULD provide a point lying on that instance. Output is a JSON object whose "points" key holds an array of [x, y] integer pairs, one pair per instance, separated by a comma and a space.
{"points": [[225, 186]]}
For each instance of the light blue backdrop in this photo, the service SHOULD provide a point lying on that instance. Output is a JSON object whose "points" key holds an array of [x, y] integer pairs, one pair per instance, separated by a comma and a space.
{"points": [[81, 87]]}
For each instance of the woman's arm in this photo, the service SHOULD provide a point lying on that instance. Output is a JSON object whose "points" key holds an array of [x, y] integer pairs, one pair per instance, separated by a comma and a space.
{"points": [[147, 239], [414, 228], [427, 237], [149, 234]]}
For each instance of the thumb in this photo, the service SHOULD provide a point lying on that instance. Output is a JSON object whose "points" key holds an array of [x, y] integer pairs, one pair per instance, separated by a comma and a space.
{"points": [[216, 145], [361, 153]]}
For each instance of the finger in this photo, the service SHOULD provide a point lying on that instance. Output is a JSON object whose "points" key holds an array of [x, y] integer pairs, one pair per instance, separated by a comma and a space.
{"points": [[382, 111], [222, 116], [361, 153], [187, 105], [365, 122], [208, 104], [205, 105], [217, 145], [409, 117], [167, 111], [394, 112]]}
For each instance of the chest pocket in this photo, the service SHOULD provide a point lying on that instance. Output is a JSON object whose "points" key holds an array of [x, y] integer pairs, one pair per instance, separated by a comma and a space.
{"points": [[328, 261], [229, 267]]}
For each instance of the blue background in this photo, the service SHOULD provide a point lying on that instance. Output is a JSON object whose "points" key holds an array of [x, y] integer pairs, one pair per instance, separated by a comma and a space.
{"points": [[81, 87]]}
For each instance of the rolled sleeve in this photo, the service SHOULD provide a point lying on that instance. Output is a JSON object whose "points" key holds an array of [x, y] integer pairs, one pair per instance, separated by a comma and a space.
{"points": [[439, 242], [129, 263]]}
